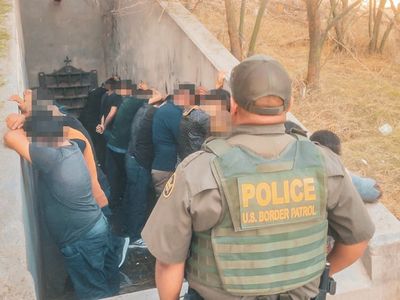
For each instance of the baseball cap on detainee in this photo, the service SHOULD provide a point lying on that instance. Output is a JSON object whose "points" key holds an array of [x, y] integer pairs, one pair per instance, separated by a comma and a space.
{"points": [[259, 76]]}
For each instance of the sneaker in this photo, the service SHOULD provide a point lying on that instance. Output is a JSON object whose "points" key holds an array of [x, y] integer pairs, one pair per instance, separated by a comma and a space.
{"points": [[124, 250], [139, 243]]}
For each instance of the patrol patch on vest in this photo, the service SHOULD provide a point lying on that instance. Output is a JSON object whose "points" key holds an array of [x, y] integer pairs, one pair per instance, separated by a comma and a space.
{"points": [[169, 187], [279, 198]]}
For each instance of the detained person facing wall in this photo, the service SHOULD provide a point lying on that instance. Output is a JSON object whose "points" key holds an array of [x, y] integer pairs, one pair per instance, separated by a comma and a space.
{"points": [[73, 217], [248, 215]]}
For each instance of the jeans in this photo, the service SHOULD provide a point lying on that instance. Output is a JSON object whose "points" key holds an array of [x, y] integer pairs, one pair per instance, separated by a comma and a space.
{"points": [[366, 187], [102, 178], [116, 175], [136, 196], [92, 263]]}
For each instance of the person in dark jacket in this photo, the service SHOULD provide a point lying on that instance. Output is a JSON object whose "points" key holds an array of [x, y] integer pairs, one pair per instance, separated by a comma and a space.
{"points": [[138, 161]]}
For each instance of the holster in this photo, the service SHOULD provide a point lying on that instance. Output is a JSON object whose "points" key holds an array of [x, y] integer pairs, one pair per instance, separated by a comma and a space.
{"points": [[327, 284]]}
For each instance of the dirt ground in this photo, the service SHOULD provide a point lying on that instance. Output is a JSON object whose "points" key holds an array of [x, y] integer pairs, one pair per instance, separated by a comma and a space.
{"points": [[359, 92]]}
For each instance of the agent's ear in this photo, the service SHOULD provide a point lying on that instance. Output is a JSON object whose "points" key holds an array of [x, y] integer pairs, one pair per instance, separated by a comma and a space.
{"points": [[234, 107], [290, 104]]}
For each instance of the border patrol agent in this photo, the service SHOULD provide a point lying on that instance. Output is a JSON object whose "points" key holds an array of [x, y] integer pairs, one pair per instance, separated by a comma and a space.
{"points": [[247, 217]]}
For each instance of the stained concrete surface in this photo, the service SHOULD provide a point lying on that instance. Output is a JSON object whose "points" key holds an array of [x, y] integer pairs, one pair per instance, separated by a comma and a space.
{"points": [[53, 30], [137, 274], [147, 43], [139, 268]]}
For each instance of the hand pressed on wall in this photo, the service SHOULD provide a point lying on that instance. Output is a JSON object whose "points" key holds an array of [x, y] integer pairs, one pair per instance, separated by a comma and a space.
{"points": [[143, 85], [25, 103], [15, 121], [219, 84]]}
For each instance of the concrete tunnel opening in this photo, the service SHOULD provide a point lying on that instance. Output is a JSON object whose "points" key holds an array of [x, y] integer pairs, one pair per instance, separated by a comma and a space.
{"points": [[160, 42]]}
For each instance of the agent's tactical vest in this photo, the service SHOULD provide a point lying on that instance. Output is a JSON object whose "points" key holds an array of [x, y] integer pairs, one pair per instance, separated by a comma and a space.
{"points": [[272, 237]]}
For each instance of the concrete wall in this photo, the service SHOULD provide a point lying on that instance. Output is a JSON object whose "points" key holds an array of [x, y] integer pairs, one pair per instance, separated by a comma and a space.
{"points": [[19, 251], [377, 274], [161, 43], [54, 30]]}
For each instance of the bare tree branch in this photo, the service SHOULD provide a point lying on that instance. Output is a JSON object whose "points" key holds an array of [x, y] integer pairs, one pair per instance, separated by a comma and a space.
{"points": [[393, 6], [318, 36], [233, 30], [341, 15], [241, 22], [370, 18], [261, 9], [373, 44], [357, 60], [386, 35], [390, 26]]}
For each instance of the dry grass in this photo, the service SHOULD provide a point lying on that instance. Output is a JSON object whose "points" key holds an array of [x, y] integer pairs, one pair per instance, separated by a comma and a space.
{"points": [[359, 92], [4, 36]]}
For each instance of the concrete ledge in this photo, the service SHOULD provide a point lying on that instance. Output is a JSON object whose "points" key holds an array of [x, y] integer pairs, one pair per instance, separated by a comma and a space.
{"points": [[377, 274], [383, 256], [207, 43]]}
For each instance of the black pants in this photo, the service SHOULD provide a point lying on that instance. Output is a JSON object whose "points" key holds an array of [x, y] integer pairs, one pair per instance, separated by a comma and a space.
{"points": [[99, 144], [116, 174], [192, 295]]}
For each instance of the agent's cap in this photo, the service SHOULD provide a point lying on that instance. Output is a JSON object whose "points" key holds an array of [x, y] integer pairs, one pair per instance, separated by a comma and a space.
{"points": [[259, 76]]}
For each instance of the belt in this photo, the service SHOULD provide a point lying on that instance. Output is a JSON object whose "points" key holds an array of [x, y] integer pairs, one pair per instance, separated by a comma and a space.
{"points": [[192, 294]]}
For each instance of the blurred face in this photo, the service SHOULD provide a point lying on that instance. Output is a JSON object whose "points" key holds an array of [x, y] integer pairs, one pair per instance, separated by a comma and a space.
{"points": [[45, 129], [49, 141], [123, 92], [183, 97], [143, 94], [220, 121], [43, 126]]}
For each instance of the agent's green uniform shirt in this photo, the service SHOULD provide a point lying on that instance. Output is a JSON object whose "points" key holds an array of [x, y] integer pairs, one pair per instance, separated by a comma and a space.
{"points": [[191, 201]]}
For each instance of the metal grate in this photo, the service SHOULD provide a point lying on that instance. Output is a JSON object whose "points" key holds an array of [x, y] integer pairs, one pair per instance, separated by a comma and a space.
{"points": [[69, 86]]}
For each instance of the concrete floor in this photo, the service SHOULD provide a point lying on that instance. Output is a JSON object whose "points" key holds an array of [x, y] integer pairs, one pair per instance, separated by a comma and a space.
{"points": [[139, 271], [137, 275]]}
